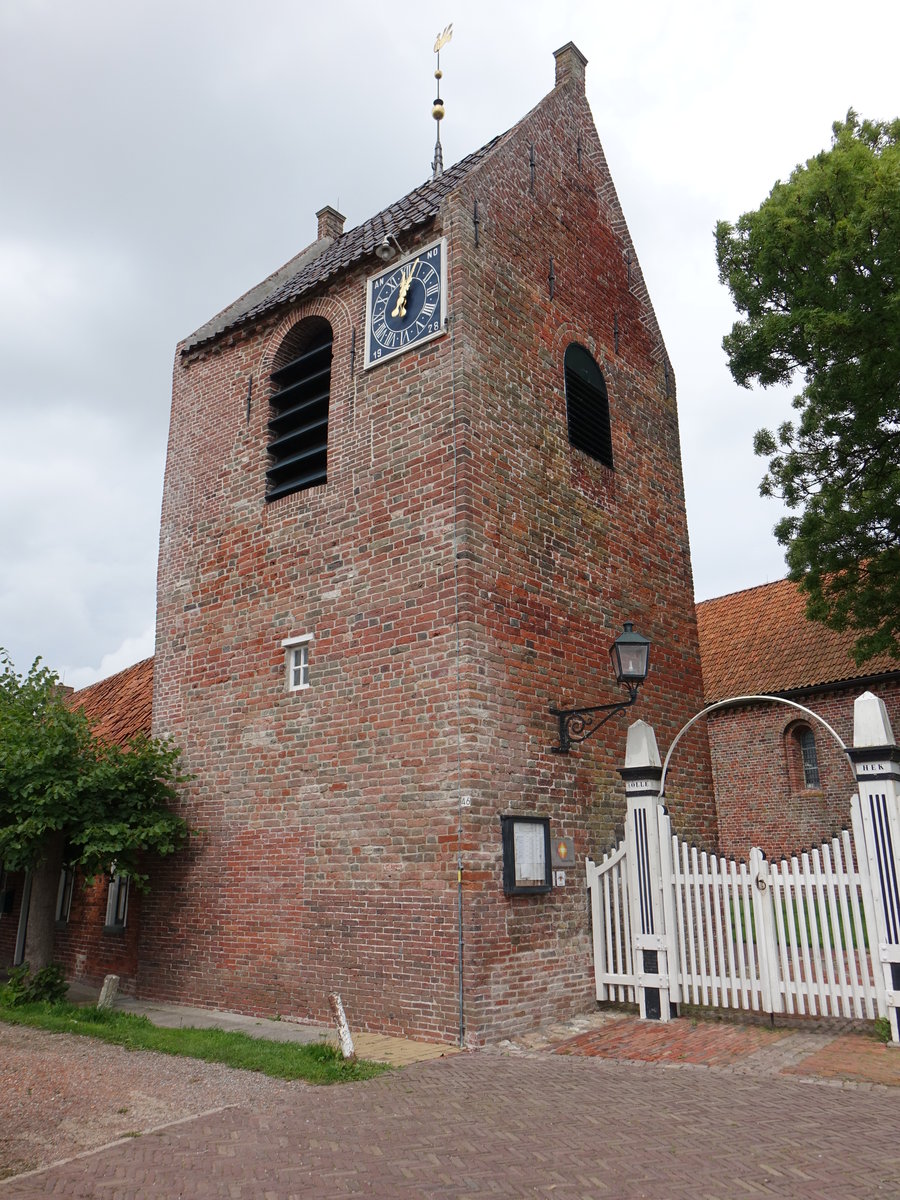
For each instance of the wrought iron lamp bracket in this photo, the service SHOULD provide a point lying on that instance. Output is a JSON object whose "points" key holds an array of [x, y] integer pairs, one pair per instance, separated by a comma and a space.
{"points": [[578, 724]]}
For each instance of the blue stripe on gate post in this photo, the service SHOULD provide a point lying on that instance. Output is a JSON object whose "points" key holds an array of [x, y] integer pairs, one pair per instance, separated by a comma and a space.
{"points": [[642, 774], [876, 763]]}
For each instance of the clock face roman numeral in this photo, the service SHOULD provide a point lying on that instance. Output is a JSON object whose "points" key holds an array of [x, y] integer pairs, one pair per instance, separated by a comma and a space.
{"points": [[405, 305]]}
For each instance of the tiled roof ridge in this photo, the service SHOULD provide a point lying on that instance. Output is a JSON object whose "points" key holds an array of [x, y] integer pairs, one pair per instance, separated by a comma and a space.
{"points": [[760, 640], [417, 207], [120, 706], [231, 313], [755, 587], [99, 683]]}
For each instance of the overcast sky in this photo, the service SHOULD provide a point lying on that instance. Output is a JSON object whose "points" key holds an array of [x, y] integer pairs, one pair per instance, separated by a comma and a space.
{"points": [[159, 158]]}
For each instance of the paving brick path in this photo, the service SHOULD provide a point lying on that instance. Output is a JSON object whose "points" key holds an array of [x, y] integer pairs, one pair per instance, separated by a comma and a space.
{"points": [[560, 1126], [703, 1043]]}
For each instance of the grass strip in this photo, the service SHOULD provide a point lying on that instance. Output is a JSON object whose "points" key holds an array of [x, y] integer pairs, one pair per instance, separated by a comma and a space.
{"points": [[314, 1062]]}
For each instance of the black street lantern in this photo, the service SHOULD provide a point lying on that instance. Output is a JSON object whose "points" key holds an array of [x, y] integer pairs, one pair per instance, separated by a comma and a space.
{"points": [[630, 654]]}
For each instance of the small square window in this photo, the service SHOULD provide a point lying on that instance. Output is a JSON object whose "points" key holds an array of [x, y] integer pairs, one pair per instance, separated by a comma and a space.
{"points": [[300, 667], [297, 662], [526, 854]]}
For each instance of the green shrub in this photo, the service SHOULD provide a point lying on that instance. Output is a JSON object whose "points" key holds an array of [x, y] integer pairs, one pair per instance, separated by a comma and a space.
{"points": [[46, 985]]}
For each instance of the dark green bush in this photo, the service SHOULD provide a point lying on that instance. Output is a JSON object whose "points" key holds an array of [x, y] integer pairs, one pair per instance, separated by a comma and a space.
{"points": [[46, 985]]}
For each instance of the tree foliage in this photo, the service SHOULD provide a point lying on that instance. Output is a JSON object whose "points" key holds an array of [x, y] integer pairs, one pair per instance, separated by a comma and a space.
{"points": [[815, 271], [59, 784]]}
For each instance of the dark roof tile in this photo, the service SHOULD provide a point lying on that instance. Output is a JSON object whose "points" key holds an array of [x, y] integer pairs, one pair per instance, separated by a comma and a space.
{"points": [[316, 264]]}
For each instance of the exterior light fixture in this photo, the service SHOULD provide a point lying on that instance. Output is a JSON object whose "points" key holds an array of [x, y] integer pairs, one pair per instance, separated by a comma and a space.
{"points": [[385, 250], [630, 654]]}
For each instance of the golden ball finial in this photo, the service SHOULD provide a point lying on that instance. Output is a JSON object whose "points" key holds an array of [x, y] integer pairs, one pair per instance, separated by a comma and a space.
{"points": [[437, 110]]}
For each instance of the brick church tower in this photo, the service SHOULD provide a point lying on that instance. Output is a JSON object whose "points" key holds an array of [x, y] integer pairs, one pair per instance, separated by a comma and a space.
{"points": [[409, 501]]}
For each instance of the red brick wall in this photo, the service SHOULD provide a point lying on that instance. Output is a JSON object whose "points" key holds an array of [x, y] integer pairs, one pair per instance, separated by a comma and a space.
{"points": [[563, 550], [85, 949], [462, 569], [761, 801], [81, 946]]}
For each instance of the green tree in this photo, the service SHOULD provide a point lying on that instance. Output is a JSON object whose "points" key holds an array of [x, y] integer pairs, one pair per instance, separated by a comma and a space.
{"points": [[815, 271], [67, 796]]}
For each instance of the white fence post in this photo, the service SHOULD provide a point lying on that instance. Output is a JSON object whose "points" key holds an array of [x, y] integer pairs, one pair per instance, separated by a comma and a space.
{"points": [[642, 774], [771, 997], [876, 761]]}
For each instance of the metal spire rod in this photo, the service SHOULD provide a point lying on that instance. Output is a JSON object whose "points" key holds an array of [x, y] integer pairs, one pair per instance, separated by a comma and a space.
{"points": [[437, 110]]}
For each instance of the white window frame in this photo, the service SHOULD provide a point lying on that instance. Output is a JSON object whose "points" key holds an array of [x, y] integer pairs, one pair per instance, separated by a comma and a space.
{"points": [[296, 662], [64, 895], [809, 759], [117, 901]]}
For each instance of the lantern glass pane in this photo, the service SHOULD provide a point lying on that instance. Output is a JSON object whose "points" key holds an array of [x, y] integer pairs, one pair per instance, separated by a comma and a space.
{"points": [[632, 661]]}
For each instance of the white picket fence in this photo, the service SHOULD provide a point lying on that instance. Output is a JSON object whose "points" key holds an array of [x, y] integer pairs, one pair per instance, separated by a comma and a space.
{"points": [[782, 937]]}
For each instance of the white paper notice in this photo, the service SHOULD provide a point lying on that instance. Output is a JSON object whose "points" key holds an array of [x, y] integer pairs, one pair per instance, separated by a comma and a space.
{"points": [[530, 862]]}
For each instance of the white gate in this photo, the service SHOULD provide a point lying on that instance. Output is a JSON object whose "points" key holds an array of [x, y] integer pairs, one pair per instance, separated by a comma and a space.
{"points": [[817, 934], [610, 906], [785, 937]]}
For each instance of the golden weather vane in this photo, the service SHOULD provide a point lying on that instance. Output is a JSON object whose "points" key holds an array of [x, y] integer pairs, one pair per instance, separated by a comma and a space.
{"points": [[442, 39], [437, 109]]}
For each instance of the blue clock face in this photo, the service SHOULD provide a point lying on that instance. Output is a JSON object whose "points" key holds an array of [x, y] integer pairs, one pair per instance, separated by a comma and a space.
{"points": [[405, 304]]}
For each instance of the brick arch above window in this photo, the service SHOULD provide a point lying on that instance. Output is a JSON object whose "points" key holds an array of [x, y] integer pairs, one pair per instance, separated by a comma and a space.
{"points": [[587, 404], [299, 401]]}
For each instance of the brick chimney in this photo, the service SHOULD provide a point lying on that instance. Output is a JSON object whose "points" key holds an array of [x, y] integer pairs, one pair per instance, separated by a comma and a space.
{"points": [[570, 64], [331, 222]]}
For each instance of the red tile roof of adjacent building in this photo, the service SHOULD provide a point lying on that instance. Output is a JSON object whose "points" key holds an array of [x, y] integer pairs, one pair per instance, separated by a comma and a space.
{"points": [[760, 641], [120, 706]]}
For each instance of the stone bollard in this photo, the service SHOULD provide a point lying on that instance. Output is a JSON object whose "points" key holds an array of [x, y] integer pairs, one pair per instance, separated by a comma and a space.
{"points": [[343, 1026], [108, 992]]}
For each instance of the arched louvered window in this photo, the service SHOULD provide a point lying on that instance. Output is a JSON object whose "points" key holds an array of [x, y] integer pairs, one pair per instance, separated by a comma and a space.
{"points": [[587, 406], [298, 424]]}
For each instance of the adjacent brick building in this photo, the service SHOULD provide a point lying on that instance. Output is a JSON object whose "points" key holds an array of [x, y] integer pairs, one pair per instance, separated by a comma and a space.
{"points": [[781, 779], [390, 541], [96, 932]]}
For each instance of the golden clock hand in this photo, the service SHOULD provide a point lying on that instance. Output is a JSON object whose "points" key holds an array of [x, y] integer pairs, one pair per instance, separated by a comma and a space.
{"points": [[405, 284], [405, 281]]}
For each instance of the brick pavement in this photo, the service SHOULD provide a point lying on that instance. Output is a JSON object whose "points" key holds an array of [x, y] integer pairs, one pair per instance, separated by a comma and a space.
{"points": [[484, 1124], [703, 1043], [853, 1058]]}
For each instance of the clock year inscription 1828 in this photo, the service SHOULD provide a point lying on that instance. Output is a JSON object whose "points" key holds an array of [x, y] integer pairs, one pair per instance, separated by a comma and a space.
{"points": [[406, 304]]}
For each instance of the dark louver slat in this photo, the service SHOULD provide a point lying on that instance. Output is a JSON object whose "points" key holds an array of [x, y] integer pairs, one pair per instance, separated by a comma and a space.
{"points": [[587, 406], [298, 466], [313, 479], [299, 439], [298, 424], [308, 386], [289, 418], [303, 364]]}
